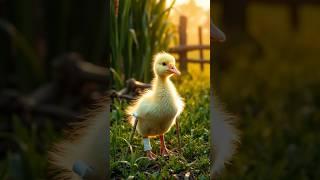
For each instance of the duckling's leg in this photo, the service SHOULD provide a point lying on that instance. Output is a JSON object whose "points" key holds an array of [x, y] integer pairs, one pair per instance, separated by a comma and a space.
{"points": [[163, 149], [147, 148]]}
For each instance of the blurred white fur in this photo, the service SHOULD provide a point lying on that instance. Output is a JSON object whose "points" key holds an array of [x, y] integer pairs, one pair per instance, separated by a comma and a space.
{"points": [[85, 142], [223, 137]]}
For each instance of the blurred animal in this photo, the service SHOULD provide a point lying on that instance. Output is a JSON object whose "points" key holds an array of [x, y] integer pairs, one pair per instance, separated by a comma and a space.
{"points": [[82, 155], [157, 109], [224, 137], [223, 134]]}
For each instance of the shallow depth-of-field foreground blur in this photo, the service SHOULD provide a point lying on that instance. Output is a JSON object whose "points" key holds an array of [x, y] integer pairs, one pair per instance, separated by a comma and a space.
{"points": [[194, 130], [276, 96]]}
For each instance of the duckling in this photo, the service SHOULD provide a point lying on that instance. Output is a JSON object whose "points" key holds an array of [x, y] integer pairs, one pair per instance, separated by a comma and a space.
{"points": [[157, 109], [224, 136]]}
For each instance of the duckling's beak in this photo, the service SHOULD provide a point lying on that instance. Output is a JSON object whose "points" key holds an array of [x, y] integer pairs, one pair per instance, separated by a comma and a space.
{"points": [[174, 70]]}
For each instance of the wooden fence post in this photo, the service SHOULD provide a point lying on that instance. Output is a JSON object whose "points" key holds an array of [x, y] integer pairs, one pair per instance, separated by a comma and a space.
{"points": [[201, 50], [183, 42]]}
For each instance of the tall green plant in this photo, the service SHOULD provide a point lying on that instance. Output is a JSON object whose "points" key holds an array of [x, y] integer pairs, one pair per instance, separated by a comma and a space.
{"points": [[139, 29]]}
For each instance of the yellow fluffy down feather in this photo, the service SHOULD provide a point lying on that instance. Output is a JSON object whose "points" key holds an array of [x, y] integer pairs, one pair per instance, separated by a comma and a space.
{"points": [[158, 108]]}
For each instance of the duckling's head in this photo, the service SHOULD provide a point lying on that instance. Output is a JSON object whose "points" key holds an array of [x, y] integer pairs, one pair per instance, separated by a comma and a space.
{"points": [[164, 65]]}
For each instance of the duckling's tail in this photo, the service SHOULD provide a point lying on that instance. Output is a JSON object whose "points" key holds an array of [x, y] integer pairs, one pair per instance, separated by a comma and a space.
{"points": [[85, 143], [224, 138]]}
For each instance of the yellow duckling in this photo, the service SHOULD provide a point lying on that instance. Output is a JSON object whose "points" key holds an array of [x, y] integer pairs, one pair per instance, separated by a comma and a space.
{"points": [[157, 109]]}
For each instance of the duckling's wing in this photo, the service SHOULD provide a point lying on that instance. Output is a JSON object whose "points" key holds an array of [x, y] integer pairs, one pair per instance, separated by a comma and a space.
{"points": [[177, 98], [180, 104], [140, 106]]}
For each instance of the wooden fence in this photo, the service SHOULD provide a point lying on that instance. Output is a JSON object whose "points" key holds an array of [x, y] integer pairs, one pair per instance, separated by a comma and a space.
{"points": [[182, 49]]}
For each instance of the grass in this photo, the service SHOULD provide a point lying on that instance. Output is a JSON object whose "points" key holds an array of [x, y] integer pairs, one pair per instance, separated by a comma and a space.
{"points": [[194, 124]]}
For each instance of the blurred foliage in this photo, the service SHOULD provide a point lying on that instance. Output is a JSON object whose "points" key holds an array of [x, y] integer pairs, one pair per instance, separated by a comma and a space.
{"points": [[139, 30], [275, 96], [33, 34], [194, 124], [26, 157]]}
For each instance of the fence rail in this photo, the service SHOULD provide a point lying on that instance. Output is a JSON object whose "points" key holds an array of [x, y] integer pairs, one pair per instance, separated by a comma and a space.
{"points": [[182, 49]]}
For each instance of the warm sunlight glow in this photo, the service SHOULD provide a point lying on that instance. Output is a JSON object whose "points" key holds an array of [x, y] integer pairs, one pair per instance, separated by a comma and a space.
{"points": [[205, 4], [197, 13]]}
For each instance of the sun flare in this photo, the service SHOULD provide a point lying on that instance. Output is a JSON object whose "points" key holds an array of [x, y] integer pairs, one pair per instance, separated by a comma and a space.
{"points": [[205, 4]]}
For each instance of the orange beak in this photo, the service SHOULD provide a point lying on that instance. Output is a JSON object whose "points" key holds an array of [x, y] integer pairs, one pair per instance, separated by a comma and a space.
{"points": [[174, 70]]}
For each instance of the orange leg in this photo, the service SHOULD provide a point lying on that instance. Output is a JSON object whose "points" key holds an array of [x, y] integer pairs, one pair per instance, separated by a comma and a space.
{"points": [[163, 149]]}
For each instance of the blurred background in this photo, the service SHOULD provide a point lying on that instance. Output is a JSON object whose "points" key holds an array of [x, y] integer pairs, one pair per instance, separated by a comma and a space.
{"points": [[55, 62], [53, 59], [266, 74]]}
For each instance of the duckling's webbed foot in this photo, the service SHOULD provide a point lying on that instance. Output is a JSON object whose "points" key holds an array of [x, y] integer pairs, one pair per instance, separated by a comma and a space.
{"points": [[151, 155], [163, 149]]}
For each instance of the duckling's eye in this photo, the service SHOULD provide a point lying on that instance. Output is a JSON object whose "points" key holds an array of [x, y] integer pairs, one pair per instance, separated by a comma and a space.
{"points": [[164, 64]]}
